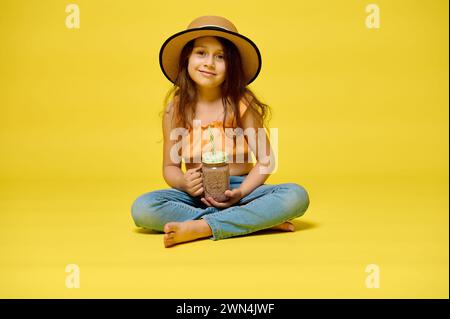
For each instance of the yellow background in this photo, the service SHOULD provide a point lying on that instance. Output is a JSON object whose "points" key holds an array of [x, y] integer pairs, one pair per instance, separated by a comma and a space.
{"points": [[362, 116]]}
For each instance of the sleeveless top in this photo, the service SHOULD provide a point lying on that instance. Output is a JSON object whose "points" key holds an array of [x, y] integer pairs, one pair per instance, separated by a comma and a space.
{"points": [[230, 140]]}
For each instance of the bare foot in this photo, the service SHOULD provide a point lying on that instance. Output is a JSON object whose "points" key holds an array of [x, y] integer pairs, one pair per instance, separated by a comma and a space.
{"points": [[286, 226], [176, 232]]}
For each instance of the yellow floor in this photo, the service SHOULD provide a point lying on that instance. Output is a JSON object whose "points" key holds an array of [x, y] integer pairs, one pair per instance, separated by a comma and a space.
{"points": [[399, 225]]}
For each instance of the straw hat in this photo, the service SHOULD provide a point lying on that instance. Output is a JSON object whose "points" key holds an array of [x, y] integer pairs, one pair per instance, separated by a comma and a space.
{"points": [[209, 26]]}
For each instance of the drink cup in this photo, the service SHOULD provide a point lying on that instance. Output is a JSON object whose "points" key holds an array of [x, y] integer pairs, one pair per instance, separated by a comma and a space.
{"points": [[216, 175]]}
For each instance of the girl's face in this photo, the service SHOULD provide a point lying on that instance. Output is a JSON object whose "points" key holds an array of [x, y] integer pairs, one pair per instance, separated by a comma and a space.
{"points": [[207, 57]]}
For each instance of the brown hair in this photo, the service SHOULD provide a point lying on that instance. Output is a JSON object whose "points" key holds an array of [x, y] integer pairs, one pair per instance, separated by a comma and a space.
{"points": [[233, 89]]}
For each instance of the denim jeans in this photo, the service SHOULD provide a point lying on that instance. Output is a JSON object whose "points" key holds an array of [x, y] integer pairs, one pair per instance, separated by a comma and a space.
{"points": [[266, 206]]}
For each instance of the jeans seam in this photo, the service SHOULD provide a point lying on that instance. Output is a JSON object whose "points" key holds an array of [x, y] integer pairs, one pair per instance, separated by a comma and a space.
{"points": [[216, 231], [181, 206], [219, 230], [247, 231]]}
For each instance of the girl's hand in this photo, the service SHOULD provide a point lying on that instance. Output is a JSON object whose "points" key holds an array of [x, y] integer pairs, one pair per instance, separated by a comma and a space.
{"points": [[193, 181], [234, 196]]}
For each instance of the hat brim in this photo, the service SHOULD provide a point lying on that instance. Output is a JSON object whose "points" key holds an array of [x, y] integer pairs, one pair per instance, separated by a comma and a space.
{"points": [[171, 49]]}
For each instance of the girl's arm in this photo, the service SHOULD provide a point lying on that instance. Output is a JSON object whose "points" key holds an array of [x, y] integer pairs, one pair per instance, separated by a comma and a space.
{"points": [[255, 178], [172, 173]]}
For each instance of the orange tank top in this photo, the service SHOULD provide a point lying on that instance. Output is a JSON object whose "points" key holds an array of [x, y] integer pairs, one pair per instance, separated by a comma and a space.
{"points": [[231, 140]]}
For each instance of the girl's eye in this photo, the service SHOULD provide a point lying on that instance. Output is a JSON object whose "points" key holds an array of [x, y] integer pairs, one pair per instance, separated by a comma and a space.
{"points": [[201, 53]]}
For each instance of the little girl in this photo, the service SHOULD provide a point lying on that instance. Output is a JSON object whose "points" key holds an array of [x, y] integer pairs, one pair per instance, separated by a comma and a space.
{"points": [[211, 64]]}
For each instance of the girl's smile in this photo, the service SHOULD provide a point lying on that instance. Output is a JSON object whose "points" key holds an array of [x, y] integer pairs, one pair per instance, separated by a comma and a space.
{"points": [[207, 74]]}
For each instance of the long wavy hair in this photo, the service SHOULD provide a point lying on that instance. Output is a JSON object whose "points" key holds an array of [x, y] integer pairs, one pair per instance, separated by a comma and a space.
{"points": [[234, 90]]}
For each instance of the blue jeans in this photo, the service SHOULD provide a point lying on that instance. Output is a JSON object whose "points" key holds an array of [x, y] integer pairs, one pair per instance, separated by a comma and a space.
{"points": [[266, 206]]}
